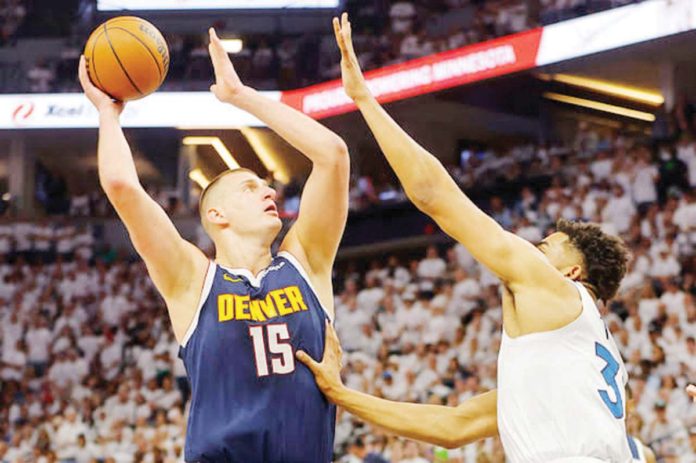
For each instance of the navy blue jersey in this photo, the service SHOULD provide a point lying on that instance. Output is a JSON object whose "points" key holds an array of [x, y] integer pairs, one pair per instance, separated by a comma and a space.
{"points": [[252, 401]]}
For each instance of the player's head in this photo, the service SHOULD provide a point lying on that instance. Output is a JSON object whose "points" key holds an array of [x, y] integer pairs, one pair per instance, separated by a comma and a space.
{"points": [[583, 252], [240, 201]]}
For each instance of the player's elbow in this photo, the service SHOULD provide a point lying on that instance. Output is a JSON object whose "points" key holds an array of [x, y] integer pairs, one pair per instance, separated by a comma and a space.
{"points": [[333, 155], [422, 194], [469, 425], [118, 190], [457, 438], [429, 188], [336, 161], [340, 149], [114, 185], [450, 431], [339, 158], [449, 442]]}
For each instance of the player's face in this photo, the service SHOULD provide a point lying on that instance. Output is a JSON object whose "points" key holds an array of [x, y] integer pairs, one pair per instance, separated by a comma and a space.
{"points": [[560, 253], [249, 204]]}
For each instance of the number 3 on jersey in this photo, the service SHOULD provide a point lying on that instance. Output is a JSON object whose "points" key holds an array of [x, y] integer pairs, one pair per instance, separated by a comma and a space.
{"points": [[278, 345], [609, 373]]}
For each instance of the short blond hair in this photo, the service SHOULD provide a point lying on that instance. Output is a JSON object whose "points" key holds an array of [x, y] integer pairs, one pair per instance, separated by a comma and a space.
{"points": [[211, 186]]}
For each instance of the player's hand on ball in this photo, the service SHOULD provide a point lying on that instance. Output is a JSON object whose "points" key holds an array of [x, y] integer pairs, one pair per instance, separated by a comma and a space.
{"points": [[99, 99], [227, 85], [691, 390], [353, 79], [328, 372]]}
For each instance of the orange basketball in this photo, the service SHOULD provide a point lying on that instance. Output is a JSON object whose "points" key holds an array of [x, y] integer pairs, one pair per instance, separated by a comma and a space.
{"points": [[127, 57]]}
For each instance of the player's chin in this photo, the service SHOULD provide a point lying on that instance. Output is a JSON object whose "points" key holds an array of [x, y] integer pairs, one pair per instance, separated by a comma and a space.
{"points": [[273, 220], [271, 216]]}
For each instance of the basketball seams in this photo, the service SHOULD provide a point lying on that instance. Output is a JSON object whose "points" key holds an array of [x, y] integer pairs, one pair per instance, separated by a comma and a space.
{"points": [[118, 60], [135, 20], [149, 51]]}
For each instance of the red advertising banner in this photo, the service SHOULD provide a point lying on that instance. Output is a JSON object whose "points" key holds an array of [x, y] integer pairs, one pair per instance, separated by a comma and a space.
{"points": [[425, 75]]}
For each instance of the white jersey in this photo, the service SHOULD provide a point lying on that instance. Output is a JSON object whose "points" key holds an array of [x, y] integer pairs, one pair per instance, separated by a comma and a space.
{"points": [[561, 393]]}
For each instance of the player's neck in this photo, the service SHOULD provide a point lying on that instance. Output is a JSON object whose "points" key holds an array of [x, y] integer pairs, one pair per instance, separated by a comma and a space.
{"points": [[247, 253]]}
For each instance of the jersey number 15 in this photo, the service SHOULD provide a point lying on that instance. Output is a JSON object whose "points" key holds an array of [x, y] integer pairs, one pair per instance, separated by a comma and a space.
{"points": [[277, 338]]}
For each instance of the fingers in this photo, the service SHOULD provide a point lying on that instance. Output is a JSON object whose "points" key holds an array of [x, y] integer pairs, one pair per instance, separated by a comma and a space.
{"points": [[331, 335], [307, 360], [215, 46], [217, 53], [333, 344], [82, 74], [347, 33], [339, 37], [343, 33], [93, 93], [215, 43]]}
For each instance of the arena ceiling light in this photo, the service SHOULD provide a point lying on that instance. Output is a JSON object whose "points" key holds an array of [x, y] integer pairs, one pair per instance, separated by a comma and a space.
{"points": [[596, 105], [219, 146], [608, 88], [199, 177], [232, 45], [264, 152]]}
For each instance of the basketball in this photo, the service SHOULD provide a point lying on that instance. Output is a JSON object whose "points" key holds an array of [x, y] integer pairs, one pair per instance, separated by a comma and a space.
{"points": [[127, 58]]}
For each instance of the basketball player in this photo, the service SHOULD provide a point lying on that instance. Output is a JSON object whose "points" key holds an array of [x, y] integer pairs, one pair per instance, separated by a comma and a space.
{"points": [[561, 379], [240, 318]]}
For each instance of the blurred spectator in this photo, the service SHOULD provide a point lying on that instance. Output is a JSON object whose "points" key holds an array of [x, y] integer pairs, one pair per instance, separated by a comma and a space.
{"points": [[12, 13], [41, 78], [402, 14]]}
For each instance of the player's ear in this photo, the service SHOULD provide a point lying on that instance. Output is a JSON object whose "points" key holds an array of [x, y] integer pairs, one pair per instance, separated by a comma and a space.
{"points": [[573, 272], [215, 215]]}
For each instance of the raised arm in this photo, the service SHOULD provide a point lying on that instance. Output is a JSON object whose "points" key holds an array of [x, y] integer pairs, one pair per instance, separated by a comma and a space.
{"points": [[448, 427], [324, 205], [176, 266], [432, 190]]}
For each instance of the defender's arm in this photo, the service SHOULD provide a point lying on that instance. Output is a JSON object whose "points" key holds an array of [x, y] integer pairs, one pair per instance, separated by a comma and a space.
{"points": [[448, 427], [445, 426], [432, 190]]}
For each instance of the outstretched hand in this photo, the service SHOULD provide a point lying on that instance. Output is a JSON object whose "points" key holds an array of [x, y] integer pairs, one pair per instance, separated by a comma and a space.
{"points": [[227, 85], [691, 390], [353, 79], [327, 373], [99, 99]]}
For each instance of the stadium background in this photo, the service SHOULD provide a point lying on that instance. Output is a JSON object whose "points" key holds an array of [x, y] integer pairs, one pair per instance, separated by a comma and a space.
{"points": [[582, 109]]}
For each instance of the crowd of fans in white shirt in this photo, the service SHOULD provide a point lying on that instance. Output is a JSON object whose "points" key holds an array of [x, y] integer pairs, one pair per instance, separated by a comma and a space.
{"points": [[90, 371]]}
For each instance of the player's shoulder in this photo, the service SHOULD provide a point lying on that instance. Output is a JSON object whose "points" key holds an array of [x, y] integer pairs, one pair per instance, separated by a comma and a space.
{"points": [[287, 261], [545, 308]]}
